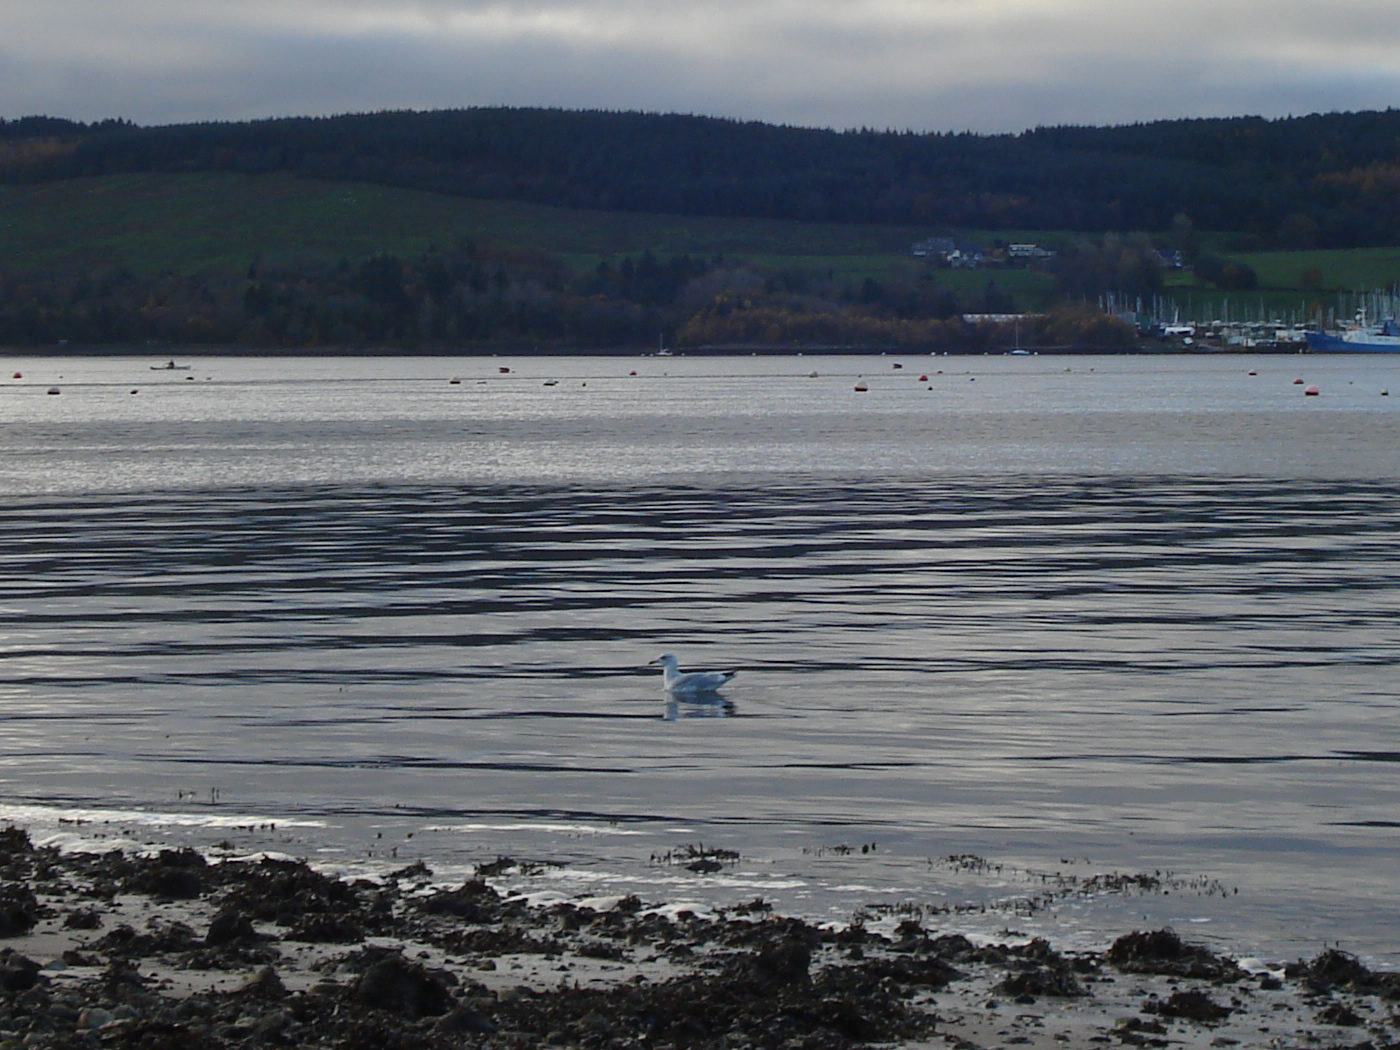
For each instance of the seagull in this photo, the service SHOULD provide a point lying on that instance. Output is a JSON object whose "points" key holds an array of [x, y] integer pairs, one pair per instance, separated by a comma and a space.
{"points": [[692, 684]]}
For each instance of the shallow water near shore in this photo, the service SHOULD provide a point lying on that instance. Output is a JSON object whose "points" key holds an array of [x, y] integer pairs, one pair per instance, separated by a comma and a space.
{"points": [[1006, 636]]}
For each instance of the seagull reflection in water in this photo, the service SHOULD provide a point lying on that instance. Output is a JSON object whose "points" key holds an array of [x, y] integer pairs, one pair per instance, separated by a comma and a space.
{"points": [[712, 707]]}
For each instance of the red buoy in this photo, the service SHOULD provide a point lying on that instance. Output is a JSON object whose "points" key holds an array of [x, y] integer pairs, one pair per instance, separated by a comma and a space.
{"points": [[1312, 391], [923, 379], [1298, 382]]}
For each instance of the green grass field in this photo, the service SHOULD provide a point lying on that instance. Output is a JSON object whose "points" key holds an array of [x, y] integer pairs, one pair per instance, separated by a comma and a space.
{"points": [[185, 223], [1351, 269], [154, 223], [1281, 294]]}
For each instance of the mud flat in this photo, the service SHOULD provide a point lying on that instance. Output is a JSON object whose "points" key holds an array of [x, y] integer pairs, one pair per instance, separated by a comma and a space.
{"points": [[175, 949]]}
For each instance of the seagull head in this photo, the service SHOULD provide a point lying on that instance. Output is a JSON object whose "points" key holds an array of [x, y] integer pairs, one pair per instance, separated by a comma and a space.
{"points": [[665, 660]]}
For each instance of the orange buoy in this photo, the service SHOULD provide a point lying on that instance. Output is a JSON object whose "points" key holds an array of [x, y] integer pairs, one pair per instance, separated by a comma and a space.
{"points": [[1312, 391]]}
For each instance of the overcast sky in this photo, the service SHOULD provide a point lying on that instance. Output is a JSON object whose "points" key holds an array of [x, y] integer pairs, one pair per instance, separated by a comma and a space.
{"points": [[980, 65]]}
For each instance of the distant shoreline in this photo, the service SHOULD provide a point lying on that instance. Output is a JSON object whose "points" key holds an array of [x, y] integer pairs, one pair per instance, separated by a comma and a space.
{"points": [[168, 352]]}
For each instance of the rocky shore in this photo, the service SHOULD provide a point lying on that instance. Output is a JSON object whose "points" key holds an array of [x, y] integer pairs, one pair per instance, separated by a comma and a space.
{"points": [[177, 950]]}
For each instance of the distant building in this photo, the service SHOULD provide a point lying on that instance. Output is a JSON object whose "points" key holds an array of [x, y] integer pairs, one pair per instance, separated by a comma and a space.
{"points": [[998, 318], [1025, 254], [946, 251], [964, 258], [936, 248]]}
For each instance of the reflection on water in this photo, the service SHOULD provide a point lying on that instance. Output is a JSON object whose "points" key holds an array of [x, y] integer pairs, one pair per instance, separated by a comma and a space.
{"points": [[716, 707], [1083, 670]]}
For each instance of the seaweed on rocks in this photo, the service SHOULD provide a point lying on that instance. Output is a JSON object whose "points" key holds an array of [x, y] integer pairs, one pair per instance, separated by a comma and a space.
{"points": [[473, 901], [231, 926], [327, 929], [1335, 969], [16, 850], [284, 892], [18, 972], [1037, 970], [172, 874], [930, 972], [400, 986], [1189, 1005], [1163, 952], [452, 968], [126, 943], [1339, 1014], [837, 1008], [19, 909], [83, 919]]}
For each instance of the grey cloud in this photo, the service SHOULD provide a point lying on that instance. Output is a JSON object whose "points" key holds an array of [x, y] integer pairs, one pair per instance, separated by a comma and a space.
{"points": [[989, 65]]}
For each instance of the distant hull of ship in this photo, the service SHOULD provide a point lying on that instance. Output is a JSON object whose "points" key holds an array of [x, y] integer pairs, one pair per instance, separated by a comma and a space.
{"points": [[1381, 340]]}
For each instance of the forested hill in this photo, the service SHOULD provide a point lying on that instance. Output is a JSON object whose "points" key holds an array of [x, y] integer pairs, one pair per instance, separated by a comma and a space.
{"points": [[1328, 180]]}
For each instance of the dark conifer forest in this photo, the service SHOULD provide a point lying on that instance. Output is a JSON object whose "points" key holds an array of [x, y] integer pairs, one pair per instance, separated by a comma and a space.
{"points": [[1332, 179]]}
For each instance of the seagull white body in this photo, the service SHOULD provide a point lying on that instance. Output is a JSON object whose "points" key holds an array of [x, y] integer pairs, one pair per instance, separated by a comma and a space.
{"points": [[682, 684]]}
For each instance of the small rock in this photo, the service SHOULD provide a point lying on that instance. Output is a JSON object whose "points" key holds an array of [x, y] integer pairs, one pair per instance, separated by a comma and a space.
{"points": [[95, 1017], [18, 973], [230, 927], [266, 985], [1339, 1014], [465, 1019], [399, 986]]}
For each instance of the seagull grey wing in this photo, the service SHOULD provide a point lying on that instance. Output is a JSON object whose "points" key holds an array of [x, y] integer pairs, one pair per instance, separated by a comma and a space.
{"points": [[700, 681]]}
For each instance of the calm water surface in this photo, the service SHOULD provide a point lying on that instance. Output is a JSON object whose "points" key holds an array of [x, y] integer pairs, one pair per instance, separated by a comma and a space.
{"points": [[1075, 617]]}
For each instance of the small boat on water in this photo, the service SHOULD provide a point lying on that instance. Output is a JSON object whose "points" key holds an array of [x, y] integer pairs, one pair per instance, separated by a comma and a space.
{"points": [[1360, 338], [171, 366]]}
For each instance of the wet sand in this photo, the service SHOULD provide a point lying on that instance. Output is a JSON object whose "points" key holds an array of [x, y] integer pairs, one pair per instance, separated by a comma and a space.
{"points": [[175, 949]]}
